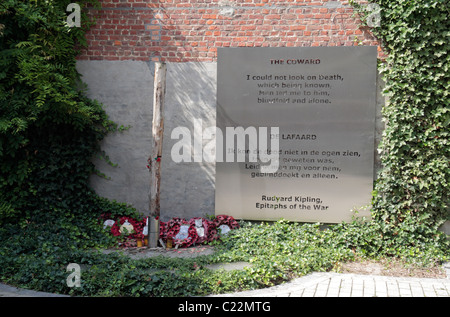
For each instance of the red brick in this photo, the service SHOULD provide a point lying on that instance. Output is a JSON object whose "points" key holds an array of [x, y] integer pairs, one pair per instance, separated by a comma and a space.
{"points": [[191, 30], [297, 27]]}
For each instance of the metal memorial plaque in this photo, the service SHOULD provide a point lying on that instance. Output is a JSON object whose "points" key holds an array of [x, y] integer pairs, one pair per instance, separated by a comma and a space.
{"points": [[295, 132]]}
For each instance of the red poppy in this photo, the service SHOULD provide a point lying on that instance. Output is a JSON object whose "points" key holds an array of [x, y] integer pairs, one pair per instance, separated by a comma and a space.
{"points": [[173, 228], [209, 229], [138, 226]]}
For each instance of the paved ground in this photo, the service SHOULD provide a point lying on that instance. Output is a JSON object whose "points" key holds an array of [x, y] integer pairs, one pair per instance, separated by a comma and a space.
{"points": [[321, 285], [352, 285], [9, 291]]}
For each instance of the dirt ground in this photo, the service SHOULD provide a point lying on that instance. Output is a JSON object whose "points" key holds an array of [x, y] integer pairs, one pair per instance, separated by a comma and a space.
{"points": [[390, 268]]}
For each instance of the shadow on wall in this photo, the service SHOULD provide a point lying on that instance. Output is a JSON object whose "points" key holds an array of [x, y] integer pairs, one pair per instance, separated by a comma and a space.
{"points": [[187, 187], [125, 88]]}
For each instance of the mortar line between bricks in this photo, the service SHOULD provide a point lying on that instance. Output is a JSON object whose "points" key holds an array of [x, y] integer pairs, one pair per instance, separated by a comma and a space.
{"points": [[303, 292], [435, 290], [315, 289], [351, 288], [398, 287], [364, 287], [410, 289], [421, 290], [340, 287], [441, 288], [269, 7], [328, 287], [374, 289]]}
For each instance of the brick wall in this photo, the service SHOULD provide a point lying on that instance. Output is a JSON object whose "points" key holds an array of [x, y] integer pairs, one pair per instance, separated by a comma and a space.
{"points": [[192, 30]]}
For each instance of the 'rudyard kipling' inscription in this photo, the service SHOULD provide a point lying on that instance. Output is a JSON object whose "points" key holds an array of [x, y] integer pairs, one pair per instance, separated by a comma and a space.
{"points": [[323, 102]]}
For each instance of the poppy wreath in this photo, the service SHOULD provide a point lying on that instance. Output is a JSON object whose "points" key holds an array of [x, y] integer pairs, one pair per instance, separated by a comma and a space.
{"points": [[173, 228], [163, 230], [104, 216], [138, 227], [208, 227], [225, 220]]}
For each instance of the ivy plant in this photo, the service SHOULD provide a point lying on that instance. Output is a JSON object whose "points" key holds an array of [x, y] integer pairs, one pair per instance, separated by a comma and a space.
{"points": [[411, 198], [49, 129]]}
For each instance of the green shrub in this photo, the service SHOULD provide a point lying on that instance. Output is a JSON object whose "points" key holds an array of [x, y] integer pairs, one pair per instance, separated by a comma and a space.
{"points": [[49, 133], [412, 192]]}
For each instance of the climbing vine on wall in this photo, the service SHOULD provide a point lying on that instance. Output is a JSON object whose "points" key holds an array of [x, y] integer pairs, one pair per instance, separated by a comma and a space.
{"points": [[49, 129], [412, 191]]}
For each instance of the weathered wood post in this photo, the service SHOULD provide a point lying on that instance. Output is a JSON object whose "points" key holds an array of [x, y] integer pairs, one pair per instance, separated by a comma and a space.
{"points": [[155, 159]]}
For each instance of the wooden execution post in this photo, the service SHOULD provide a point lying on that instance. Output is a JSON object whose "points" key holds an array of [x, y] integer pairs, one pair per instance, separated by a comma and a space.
{"points": [[155, 159]]}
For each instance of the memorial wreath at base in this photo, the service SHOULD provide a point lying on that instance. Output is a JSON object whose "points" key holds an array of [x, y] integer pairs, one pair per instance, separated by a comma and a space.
{"points": [[180, 231], [184, 233], [129, 228], [224, 224]]}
